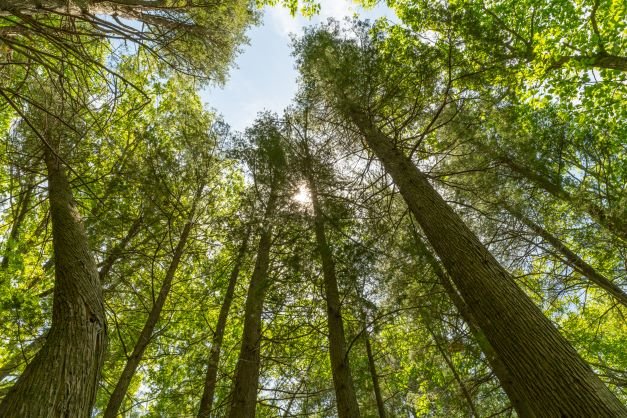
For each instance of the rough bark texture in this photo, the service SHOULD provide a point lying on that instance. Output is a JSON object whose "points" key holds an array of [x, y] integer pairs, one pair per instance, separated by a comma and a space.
{"points": [[552, 379], [372, 367], [347, 406], [244, 396], [117, 397], [571, 258], [61, 380], [206, 401]]}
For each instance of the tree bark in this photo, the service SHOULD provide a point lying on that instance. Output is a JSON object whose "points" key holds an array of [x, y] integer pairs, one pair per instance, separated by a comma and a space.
{"points": [[571, 258], [244, 396], [347, 406], [552, 379], [206, 401], [373, 375], [61, 380], [117, 397]]}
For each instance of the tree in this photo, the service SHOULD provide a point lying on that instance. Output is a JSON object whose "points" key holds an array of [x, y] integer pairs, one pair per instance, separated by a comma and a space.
{"points": [[504, 313]]}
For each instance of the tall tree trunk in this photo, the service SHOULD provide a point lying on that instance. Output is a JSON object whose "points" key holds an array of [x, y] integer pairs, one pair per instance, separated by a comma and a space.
{"points": [[439, 343], [373, 373], [551, 377], [244, 396], [61, 380], [25, 198], [118, 250], [347, 406], [206, 401], [117, 397], [613, 223], [497, 366], [571, 258]]}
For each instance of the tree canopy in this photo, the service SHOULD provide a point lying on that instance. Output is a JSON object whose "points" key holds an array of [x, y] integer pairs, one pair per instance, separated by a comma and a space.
{"points": [[436, 226]]}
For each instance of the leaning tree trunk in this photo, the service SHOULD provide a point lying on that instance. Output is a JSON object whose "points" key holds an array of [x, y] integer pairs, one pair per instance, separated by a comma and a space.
{"points": [[497, 366], [549, 374], [206, 401], [61, 380], [244, 396], [570, 257], [23, 207], [117, 397], [615, 224], [347, 406]]}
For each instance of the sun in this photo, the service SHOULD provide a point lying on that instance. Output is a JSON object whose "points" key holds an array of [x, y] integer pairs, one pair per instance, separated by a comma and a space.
{"points": [[302, 195]]}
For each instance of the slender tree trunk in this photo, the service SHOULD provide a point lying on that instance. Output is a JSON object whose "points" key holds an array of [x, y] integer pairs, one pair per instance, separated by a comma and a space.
{"points": [[571, 258], [61, 380], [119, 248], [24, 202], [244, 396], [462, 386], [117, 397], [607, 61], [613, 223], [206, 401], [551, 377], [347, 406], [373, 374], [497, 366]]}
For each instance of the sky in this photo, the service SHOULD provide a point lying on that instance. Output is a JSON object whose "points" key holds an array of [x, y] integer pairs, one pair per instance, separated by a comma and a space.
{"points": [[264, 75]]}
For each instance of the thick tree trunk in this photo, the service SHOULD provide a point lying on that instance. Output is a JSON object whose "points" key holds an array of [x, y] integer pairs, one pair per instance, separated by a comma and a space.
{"points": [[61, 380], [206, 401], [244, 396], [571, 258], [372, 368], [548, 373], [117, 397], [347, 406]]}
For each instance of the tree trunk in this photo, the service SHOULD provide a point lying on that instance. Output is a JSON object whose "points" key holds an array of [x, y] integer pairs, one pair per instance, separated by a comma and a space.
{"points": [[24, 202], [244, 396], [571, 258], [551, 377], [119, 248], [373, 374], [614, 224], [206, 401], [117, 397], [497, 366], [61, 380], [347, 406]]}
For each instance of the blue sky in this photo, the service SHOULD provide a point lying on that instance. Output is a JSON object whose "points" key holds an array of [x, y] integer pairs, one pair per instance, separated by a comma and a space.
{"points": [[264, 77]]}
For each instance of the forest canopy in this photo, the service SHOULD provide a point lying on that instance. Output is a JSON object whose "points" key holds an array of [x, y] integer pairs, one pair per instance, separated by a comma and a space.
{"points": [[435, 226]]}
